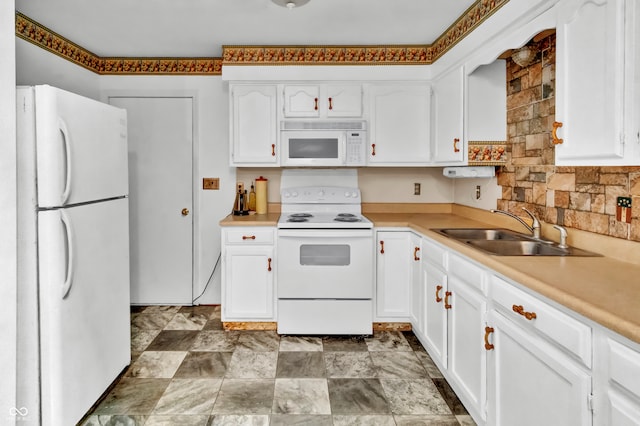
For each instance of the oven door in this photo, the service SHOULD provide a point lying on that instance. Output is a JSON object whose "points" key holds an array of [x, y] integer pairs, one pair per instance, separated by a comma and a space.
{"points": [[313, 148], [325, 263]]}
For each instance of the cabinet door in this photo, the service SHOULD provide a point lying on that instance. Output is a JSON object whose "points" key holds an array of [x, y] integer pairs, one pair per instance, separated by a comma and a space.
{"points": [[302, 101], [399, 117], [435, 285], [393, 276], [416, 309], [590, 82], [254, 131], [448, 145], [486, 111], [248, 283], [344, 100], [466, 353], [531, 382]]}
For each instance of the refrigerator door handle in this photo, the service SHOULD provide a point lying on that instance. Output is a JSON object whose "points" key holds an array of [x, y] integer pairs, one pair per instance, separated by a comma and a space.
{"points": [[68, 282], [67, 148]]}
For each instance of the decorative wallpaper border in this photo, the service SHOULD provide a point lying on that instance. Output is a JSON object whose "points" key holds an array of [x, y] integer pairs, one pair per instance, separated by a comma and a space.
{"points": [[31, 31], [487, 153]]}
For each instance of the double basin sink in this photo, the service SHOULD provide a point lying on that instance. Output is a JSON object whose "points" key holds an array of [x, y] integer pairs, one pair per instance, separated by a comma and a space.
{"points": [[504, 242]]}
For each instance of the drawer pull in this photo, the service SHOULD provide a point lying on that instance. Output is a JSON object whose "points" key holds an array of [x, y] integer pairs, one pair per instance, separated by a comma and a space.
{"points": [[269, 264], [248, 237], [415, 253], [519, 309], [438, 298], [381, 247], [446, 300], [487, 331]]}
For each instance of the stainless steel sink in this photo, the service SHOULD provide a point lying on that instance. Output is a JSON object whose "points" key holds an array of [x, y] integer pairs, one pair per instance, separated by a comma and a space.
{"points": [[481, 234], [503, 242]]}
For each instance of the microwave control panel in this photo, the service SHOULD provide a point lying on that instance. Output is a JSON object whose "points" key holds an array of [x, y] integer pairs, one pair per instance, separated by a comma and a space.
{"points": [[356, 148]]}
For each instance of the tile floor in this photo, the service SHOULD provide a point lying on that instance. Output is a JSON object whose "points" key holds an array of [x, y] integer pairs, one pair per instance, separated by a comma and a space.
{"points": [[186, 370]]}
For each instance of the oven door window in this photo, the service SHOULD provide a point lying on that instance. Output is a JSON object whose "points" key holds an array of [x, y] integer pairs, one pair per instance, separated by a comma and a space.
{"points": [[301, 148], [325, 254]]}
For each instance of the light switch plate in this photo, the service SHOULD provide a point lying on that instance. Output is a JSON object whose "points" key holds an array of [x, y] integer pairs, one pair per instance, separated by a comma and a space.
{"points": [[210, 183]]}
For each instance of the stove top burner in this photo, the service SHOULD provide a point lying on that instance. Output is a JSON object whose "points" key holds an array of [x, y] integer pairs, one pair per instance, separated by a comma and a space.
{"points": [[346, 215], [351, 218], [300, 215], [298, 219]]}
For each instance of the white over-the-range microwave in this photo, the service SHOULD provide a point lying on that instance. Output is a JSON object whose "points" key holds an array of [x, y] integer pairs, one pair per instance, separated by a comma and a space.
{"points": [[322, 143]]}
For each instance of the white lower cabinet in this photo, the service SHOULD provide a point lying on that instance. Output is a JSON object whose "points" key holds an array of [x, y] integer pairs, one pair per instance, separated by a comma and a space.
{"points": [[416, 293], [248, 271], [530, 382], [393, 275]]}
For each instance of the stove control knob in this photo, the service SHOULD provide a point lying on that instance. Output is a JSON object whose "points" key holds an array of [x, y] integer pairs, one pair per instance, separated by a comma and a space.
{"points": [[294, 194], [321, 193], [354, 194], [286, 194], [347, 194]]}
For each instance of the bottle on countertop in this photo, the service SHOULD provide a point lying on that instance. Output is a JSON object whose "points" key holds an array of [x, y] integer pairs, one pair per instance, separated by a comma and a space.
{"points": [[251, 204]]}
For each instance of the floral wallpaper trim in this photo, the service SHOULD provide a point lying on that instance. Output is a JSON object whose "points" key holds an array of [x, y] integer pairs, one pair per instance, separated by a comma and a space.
{"points": [[364, 55], [487, 153], [31, 31]]}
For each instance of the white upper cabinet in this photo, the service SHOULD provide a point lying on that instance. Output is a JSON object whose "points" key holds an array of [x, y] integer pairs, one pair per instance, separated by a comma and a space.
{"points": [[399, 121], [323, 100], [447, 118], [486, 99], [254, 125], [596, 43]]}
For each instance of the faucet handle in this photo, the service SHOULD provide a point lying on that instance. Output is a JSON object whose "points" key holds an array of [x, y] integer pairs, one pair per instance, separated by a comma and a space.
{"points": [[563, 236]]}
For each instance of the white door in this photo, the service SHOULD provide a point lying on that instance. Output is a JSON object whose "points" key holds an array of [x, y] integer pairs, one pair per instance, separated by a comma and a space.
{"points": [[160, 193], [448, 99], [393, 275], [435, 286]]}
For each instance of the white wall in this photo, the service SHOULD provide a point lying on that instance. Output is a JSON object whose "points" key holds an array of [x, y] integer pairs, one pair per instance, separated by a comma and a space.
{"points": [[465, 192], [8, 208]]}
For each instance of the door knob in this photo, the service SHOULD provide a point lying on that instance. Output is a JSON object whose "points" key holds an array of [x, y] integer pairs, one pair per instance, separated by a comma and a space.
{"points": [[185, 211]]}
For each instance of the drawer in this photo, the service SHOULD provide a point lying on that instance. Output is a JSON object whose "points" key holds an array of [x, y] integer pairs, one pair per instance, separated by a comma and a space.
{"points": [[434, 253], [468, 272], [249, 236], [624, 366], [529, 311]]}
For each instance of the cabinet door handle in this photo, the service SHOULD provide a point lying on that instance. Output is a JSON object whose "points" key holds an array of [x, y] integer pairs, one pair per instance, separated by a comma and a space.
{"points": [[269, 264], [330, 103], [554, 133], [373, 149], [455, 145], [438, 298], [415, 253], [248, 237], [446, 300], [273, 149], [519, 309], [315, 105], [487, 331], [381, 247]]}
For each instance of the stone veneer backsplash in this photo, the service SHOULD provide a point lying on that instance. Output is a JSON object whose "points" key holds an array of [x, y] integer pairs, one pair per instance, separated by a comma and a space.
{"points": [[576, 197]]}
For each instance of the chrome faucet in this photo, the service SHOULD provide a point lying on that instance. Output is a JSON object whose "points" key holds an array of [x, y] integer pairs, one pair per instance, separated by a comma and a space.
{"points": [[534, 229], [563, 236]]}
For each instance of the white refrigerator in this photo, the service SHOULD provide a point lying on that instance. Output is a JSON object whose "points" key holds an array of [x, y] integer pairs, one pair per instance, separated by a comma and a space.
{"points": [[73, 253]]}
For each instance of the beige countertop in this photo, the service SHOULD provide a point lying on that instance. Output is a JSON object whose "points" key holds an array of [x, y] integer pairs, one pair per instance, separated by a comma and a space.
{"points": [[602, 289]]}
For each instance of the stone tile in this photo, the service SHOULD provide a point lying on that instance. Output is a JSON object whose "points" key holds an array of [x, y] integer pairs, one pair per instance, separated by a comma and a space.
{"points": [[413, 341], [580, 201], [173, 340], [187, 321], [156, 364], [188, 396], [398, 365], [215, 341], [115, 420], [242, 396], [155, 309], [301, 396], [213, 324], [344, 343], [151, 320], [253, 365], [450, 397], [432, 369], [379, 420], [204, 365], [300, 364], [301, 420], [611, 198], [239, 420], [426, 420], [387, 341], [206, 310], [562, 181], [258, 341], [349, 365], [357, 396], [300, 343], [177, 419], [141, 339], [634, 183], [465, 420], [132, 396], [407, 396]]}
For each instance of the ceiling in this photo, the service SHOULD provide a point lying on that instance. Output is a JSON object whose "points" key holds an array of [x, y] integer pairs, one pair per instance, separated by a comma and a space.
{"points": [[199, 28]]}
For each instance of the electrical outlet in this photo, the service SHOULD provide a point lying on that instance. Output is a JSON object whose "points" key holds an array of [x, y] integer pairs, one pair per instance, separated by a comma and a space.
{"points": [[623, 209], [416, 188], [210, 183]]}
